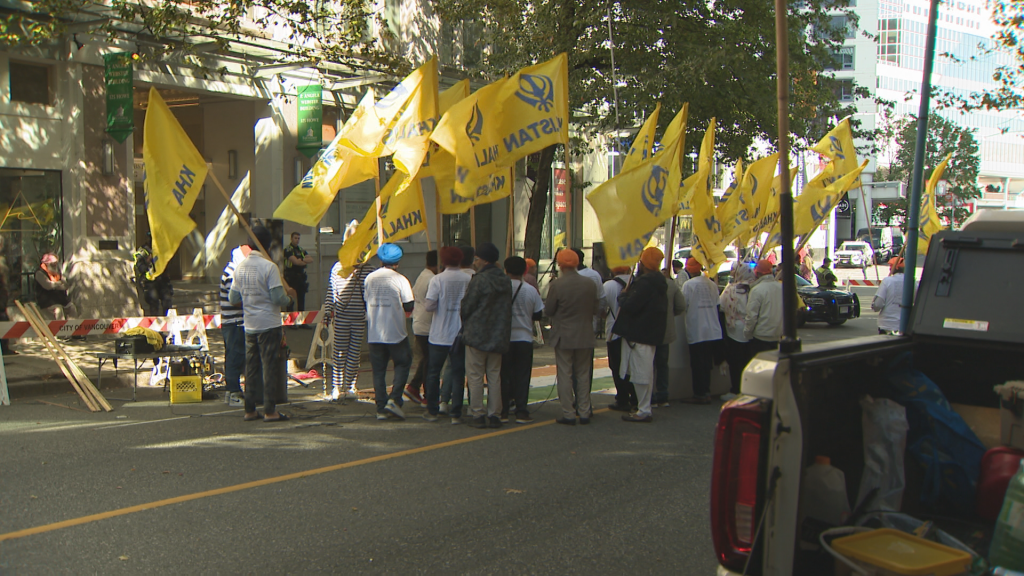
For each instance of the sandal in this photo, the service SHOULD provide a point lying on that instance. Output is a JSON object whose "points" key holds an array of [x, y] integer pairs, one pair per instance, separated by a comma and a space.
{"points": [[280, 418], [248, 418]]}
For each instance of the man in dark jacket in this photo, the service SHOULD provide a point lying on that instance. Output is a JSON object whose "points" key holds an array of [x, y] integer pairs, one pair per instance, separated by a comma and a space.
{"points": [[571, 304], [486, 330], [643, 312]]}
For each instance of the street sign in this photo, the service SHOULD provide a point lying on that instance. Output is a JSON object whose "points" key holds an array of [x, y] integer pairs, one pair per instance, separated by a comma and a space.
{"points": [[843, 206]]}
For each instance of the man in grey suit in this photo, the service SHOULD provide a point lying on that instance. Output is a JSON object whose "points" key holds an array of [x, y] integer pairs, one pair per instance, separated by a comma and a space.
{"points": [[571, 305]]}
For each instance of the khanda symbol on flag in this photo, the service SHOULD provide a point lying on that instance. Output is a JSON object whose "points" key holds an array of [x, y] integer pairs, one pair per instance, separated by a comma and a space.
{"points": [[653, 193], [537, 91]]}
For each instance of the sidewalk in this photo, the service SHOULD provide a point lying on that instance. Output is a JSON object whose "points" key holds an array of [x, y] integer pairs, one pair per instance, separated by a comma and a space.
{"points": [[33, 373]]}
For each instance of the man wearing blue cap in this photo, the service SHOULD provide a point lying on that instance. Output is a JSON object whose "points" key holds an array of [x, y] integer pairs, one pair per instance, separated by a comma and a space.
{"points": [[389, 301]]}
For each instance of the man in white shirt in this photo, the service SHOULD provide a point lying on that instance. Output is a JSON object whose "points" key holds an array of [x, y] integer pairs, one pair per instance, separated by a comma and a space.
{"points": [[466, 266], [389, 301], [763, 323], [625, 394], [703, 329], [598, 281], [444, 299], [421, 319], [257, 287], [517, 363], [889, 298]]}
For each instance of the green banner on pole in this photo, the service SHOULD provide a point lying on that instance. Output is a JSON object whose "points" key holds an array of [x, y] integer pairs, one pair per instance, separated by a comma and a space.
{"points": [[120, 98], [311, 119]]}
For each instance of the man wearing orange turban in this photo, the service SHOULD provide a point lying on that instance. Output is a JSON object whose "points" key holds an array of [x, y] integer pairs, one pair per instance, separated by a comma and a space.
{"points": [[571, 305], [643, 312]]}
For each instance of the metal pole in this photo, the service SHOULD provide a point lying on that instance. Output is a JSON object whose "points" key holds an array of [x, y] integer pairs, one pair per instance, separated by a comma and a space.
{"points": [[790, 343], [615, 81], [914, 201]]}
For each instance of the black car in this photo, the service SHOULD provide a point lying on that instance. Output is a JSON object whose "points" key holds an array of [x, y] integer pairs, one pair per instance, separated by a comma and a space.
{"points": [[834, 305]]}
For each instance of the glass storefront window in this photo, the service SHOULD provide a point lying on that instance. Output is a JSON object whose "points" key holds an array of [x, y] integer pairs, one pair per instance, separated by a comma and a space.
{"points": [[30, 205]]}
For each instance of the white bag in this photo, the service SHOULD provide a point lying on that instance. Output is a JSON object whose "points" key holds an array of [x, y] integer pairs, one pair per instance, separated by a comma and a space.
{"points": [[884, 424]]}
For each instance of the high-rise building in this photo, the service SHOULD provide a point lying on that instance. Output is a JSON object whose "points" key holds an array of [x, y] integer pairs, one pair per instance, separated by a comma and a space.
{"points": [[884, 52]]}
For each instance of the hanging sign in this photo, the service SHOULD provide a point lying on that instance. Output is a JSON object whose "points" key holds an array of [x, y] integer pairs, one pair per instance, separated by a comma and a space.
{"points": [[119, 75], [560, 197], [310, 119]]}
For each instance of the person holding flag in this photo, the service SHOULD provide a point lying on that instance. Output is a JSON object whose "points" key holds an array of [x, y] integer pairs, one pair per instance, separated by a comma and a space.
{"points": [[258, 289]]}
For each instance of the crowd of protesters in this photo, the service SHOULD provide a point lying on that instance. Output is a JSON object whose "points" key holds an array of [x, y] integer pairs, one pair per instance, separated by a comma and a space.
{"points": [[475, 323]]}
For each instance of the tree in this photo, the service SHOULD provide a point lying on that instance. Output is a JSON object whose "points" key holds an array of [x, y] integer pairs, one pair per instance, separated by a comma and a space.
{"points": [[1008, 16], [336, 31], [719, 57], [944, 137]]}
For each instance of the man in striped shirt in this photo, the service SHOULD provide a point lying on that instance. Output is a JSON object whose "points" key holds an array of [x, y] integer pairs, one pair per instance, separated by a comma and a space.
{"points": [[232, 331]]}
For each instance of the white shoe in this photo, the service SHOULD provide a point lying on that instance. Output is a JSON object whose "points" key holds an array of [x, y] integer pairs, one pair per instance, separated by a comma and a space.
{"points": [[429, 417], [382, 416], [336, 393], [442, 408], [393, 408], [351, 394], [235, 399]]}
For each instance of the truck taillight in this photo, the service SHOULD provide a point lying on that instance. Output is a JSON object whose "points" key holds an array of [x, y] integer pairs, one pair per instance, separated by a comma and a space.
{"points": [[737, 479]]}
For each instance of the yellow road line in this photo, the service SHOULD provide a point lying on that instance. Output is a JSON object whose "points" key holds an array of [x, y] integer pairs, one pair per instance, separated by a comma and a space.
{"points": [[258, 483]]}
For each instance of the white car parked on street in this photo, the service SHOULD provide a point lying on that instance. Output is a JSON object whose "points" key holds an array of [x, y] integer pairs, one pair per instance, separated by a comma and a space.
{"points": [[854, 255]]}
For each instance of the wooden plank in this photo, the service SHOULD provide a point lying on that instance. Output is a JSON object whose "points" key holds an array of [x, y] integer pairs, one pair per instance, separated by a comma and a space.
{"points": [[56, 358], [84, 380]]}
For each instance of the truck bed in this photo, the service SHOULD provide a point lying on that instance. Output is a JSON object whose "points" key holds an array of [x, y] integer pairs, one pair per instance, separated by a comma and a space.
{"points": [[830, 379]]}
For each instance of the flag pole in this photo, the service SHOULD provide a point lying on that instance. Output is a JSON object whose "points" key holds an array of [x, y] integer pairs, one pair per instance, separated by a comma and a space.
{"points": [[511, 212], [380, 226], [472, 226], [568, 200], [789, 343], [437, 213], [245, 224], [670, 245]]}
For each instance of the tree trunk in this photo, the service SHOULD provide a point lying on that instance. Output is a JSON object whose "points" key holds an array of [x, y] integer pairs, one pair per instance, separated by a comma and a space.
{"points": [[539, 204]]}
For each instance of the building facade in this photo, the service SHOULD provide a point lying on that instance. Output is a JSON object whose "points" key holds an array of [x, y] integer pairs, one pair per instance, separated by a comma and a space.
{"points": [[884, 52]]}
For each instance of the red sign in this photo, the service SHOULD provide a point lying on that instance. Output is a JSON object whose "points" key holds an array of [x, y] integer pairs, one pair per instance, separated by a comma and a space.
{"points": [[560, 198]]}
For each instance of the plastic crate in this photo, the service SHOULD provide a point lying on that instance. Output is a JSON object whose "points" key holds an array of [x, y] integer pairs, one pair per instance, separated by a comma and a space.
{"points": [[186, 389]]}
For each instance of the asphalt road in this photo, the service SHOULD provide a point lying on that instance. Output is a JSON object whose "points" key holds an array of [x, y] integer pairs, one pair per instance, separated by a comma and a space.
{"points": [[611, 497], [89, 493]]}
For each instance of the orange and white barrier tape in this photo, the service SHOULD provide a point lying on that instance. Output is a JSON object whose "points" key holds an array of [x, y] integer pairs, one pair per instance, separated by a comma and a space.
{"points": [[95, 327], [852, 282]]}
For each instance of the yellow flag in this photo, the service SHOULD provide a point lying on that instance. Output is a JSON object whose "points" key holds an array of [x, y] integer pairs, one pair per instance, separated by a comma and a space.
{"points": [[175, 172], [401, 215], [708, 247], [399, 123], [643, 144], [507, 120], [337, 168], [677, 127], [929, 218], [743, 207], [818, 199], [838, 147], [447, 99], [497, 186], [769, 214], [630, 206]]}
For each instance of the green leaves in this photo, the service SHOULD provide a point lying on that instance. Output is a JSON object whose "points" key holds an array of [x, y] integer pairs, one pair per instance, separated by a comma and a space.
{"points": [[944, 136], [718, 56]]}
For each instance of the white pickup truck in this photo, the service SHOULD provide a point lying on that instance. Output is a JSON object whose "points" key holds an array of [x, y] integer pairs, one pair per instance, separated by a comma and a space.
{"points": [[966, 334]]}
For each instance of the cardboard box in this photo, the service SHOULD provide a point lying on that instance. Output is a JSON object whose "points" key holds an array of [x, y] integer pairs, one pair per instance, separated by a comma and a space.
{"points": [[1011, 413]]}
